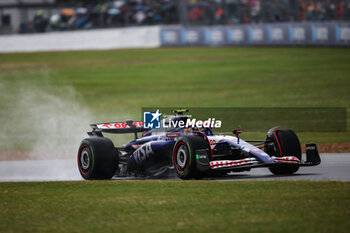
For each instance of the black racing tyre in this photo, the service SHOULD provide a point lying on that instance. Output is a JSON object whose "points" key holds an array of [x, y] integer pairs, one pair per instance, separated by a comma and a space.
{"points": [[184, 156], [97, 158], [285, 143]]}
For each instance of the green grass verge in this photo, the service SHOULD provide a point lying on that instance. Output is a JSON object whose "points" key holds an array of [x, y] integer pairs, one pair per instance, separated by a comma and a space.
{"points": [[114, 85], [171, 206]]}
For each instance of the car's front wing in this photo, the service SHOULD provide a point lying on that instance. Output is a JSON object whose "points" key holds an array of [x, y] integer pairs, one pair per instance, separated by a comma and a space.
{"points": [[312, 159]]}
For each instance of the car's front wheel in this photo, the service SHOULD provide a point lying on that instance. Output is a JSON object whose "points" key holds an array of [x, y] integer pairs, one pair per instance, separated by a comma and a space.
{"points": [[184, 156], [281, 143]]}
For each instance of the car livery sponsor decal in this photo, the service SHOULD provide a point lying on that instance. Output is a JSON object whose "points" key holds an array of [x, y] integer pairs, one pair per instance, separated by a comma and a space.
{"points": [[143, 153]]}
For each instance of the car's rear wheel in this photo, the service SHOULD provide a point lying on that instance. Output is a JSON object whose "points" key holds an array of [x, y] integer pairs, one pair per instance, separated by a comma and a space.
{"points": [[97, 158], [283, 143], [184, 156]]}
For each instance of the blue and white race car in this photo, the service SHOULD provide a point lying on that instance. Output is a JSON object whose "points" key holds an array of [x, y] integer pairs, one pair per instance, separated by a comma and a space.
{"points": [[190, 152]]}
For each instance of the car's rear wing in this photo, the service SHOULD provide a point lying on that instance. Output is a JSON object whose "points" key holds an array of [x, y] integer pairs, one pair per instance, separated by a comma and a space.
{"points": [[117, 128]]}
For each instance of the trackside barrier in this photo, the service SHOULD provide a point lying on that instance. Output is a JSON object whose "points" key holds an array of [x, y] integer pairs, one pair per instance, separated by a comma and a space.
{"points": [[96, 39], [277, 34], [281, 34]]}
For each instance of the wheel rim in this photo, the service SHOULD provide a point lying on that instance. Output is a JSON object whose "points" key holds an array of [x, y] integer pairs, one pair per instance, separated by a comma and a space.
{"points": [[181, 157], [85, 159]]}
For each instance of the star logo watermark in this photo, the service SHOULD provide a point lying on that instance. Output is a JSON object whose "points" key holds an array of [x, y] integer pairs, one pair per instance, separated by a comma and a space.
{"points": [[151, 120]]}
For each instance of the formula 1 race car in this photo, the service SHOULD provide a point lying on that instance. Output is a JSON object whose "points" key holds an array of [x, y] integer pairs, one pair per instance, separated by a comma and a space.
{"points": [[190, 152]]}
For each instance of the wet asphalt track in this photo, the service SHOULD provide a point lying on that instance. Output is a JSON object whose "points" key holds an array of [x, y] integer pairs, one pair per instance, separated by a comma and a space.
{"points": [[334, 167]]}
